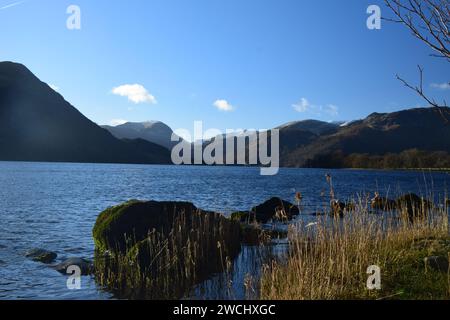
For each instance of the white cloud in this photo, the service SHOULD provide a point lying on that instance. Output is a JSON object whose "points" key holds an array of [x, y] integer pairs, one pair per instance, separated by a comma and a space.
{"points": [[441, 86], [135, 93], [332, 110], [11, 5], [117, 122], [302, 106], [55, 88], [223, 105]]}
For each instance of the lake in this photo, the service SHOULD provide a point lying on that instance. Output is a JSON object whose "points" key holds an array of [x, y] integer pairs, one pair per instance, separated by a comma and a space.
{"points": [[54, 206]]}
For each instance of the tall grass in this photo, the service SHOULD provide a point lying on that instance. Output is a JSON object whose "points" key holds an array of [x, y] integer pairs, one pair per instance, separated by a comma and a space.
{"points": [[329, 260]]}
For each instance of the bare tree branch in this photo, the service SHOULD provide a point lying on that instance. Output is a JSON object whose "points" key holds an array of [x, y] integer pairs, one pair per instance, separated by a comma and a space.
{"points": [[428, 21], [441, 108]]}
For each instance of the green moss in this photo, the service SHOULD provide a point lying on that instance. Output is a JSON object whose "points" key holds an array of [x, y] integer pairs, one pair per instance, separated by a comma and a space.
{"points": [[118, 228], [105, 222]]}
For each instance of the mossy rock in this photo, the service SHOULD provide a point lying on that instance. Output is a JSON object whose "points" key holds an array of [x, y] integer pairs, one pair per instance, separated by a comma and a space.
{"points": [[174, 246], [120, 227]]}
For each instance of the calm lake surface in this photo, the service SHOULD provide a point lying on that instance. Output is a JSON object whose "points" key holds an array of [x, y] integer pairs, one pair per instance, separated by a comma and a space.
{"points": [[54, 206]]}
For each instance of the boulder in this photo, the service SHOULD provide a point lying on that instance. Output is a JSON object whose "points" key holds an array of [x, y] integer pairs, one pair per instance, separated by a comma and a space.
{"points": [[274, 209], [161, 249], [41, 255], [339, 208], [119, 228], [438, 263], [382, 203], [84, 265], [413, 205]]}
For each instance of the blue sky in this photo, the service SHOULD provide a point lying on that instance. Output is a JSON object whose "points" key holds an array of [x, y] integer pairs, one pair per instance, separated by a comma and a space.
{"points": [[263, 62]]}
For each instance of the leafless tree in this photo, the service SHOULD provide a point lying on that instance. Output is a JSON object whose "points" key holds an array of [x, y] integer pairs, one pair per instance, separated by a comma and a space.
{"points": [[429, 21]]}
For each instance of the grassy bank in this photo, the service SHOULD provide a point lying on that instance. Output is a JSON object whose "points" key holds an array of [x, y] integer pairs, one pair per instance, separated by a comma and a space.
{"points": [[330, 260]]}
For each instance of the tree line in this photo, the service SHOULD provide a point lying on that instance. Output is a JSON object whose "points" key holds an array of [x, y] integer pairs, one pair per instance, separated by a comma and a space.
{"points": [[409, 159]]}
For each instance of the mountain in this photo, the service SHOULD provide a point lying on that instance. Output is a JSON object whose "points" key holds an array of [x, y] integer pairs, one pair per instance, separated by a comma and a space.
{"points": [[424, 129], [152, 131], [314, 126], [37, 124], [408, 138]]}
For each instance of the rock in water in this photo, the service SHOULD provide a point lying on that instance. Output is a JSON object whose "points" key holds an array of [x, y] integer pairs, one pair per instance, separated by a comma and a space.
{"points": [[437, 263], [272, 209], [84, 265], [383, 204], [122, 226], [160, 249], [414, 206], [41, 255], [275, 209], [339, 209]]}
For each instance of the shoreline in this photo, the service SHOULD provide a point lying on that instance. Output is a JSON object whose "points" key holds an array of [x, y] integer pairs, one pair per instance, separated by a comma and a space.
{"points": [[444, 170]]}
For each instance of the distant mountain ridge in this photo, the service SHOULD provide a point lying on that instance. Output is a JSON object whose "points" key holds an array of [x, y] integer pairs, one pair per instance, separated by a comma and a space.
{"points": [[37, 124], [306, 143], [314, 126], [153, 131], [379, 134]]}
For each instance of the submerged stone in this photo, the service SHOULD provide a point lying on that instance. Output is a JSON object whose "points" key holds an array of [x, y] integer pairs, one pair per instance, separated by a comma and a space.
{"points": [[41, 255]]}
